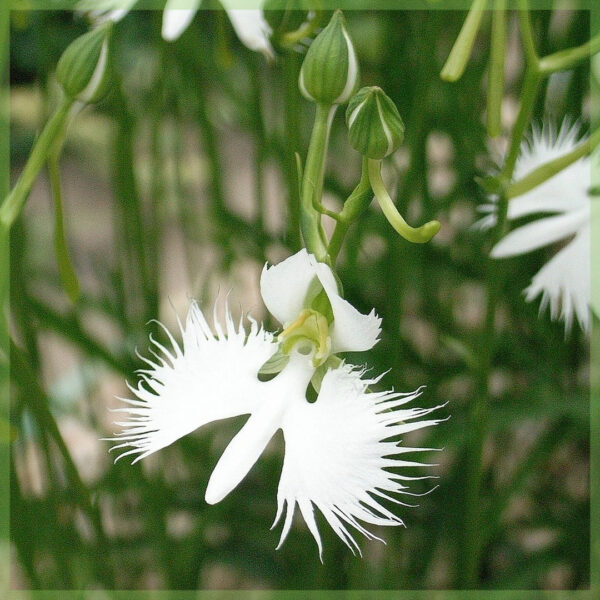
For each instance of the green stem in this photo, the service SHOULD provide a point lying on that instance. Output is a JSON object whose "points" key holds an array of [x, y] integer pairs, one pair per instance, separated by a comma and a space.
{"points": [[496, 72], [291, 66], [65, 268], [38, 404], [417, 235], [529, 93], [551, 168], [527, 35], [567, 59], [355, 205], [312, 182], [459, 55], [14, 202]]}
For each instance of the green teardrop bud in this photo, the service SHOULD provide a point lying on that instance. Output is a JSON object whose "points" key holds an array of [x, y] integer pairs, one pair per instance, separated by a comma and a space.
{"points": [[83, 70], [375, 126], [329, 73]]}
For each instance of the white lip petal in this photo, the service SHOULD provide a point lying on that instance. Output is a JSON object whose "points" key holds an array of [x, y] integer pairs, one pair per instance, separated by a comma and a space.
{"points": [[284, 286], [251, 28], [540, 233], [211, 378], [564, 282], [242, 452], [338, 450], [287, 389]]}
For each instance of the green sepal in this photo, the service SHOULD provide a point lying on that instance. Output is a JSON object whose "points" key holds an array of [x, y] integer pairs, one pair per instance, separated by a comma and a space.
{"points": [[333, 362], [275, 364]]}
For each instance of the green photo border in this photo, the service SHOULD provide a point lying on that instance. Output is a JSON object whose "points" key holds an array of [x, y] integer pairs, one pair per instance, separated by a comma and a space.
{"points": [[5, 592]]}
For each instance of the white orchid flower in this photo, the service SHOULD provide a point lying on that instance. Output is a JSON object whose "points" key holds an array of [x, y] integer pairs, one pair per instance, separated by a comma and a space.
{"points": [[338, 449], [564, 281], [249, 24]]}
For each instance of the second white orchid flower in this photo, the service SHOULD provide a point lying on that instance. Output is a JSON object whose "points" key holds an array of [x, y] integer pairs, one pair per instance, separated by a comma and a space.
{"points": [[338, 450], [562, 205]]}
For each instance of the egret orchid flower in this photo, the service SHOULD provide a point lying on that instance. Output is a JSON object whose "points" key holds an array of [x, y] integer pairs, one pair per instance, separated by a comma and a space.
{"points": [[564, 281], [338, 450], [250, 25]]}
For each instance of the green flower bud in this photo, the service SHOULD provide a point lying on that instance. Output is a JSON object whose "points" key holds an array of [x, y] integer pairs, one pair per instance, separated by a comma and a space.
{"points": [[375, 126], [83, 70], [329, 73]]}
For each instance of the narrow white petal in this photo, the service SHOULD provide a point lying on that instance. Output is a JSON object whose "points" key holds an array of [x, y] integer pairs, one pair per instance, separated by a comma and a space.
{"points": [[540, 233], [351, 330], [564, 282], [284, 286], [252, 29], [337, 456], [176, 19], [210, 378]]}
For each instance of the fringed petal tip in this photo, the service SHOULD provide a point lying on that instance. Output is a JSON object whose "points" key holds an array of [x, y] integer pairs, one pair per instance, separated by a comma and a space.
{"points": [[207, 378], [344, 466]]}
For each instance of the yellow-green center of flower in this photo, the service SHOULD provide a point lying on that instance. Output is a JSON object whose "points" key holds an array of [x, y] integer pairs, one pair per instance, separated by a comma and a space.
{"points": [[308, 333]]}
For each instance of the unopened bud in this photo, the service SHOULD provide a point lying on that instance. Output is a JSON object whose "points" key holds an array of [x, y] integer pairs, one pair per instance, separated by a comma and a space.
{"points": [[83, 70], [329, 73], [375, 126]]}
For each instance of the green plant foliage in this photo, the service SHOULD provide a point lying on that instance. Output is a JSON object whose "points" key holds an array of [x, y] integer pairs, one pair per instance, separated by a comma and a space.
{"points": [[182, 183]]}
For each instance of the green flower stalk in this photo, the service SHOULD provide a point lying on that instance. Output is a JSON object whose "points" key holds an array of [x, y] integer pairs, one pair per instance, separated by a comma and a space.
{"points": [[376, 130], [328, 76]]}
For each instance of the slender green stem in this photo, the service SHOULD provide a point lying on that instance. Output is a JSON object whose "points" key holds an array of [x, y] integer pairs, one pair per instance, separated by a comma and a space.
{"points": [[312, 182], [528, 95], [417, 235], [14, 202], [459, 55], [567, 59], [38, 404], [551, 168], [291, 67], [355, 205], [526, 29], [496, 71], [65, 268]]}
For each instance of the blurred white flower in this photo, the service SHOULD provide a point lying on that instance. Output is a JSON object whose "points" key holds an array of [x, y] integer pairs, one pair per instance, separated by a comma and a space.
{"points": [[250, 25], [338, 449], [564, 281]]}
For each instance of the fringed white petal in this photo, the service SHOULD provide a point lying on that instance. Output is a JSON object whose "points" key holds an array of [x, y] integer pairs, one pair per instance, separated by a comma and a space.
{"points": [[211, 378], [338, 452], [251, 28], [564, 282], [177, 17], [285, 287]]}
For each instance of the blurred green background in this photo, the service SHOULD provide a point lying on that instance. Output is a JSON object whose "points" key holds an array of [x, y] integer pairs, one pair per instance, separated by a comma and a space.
{"points": [[182, 184]]}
